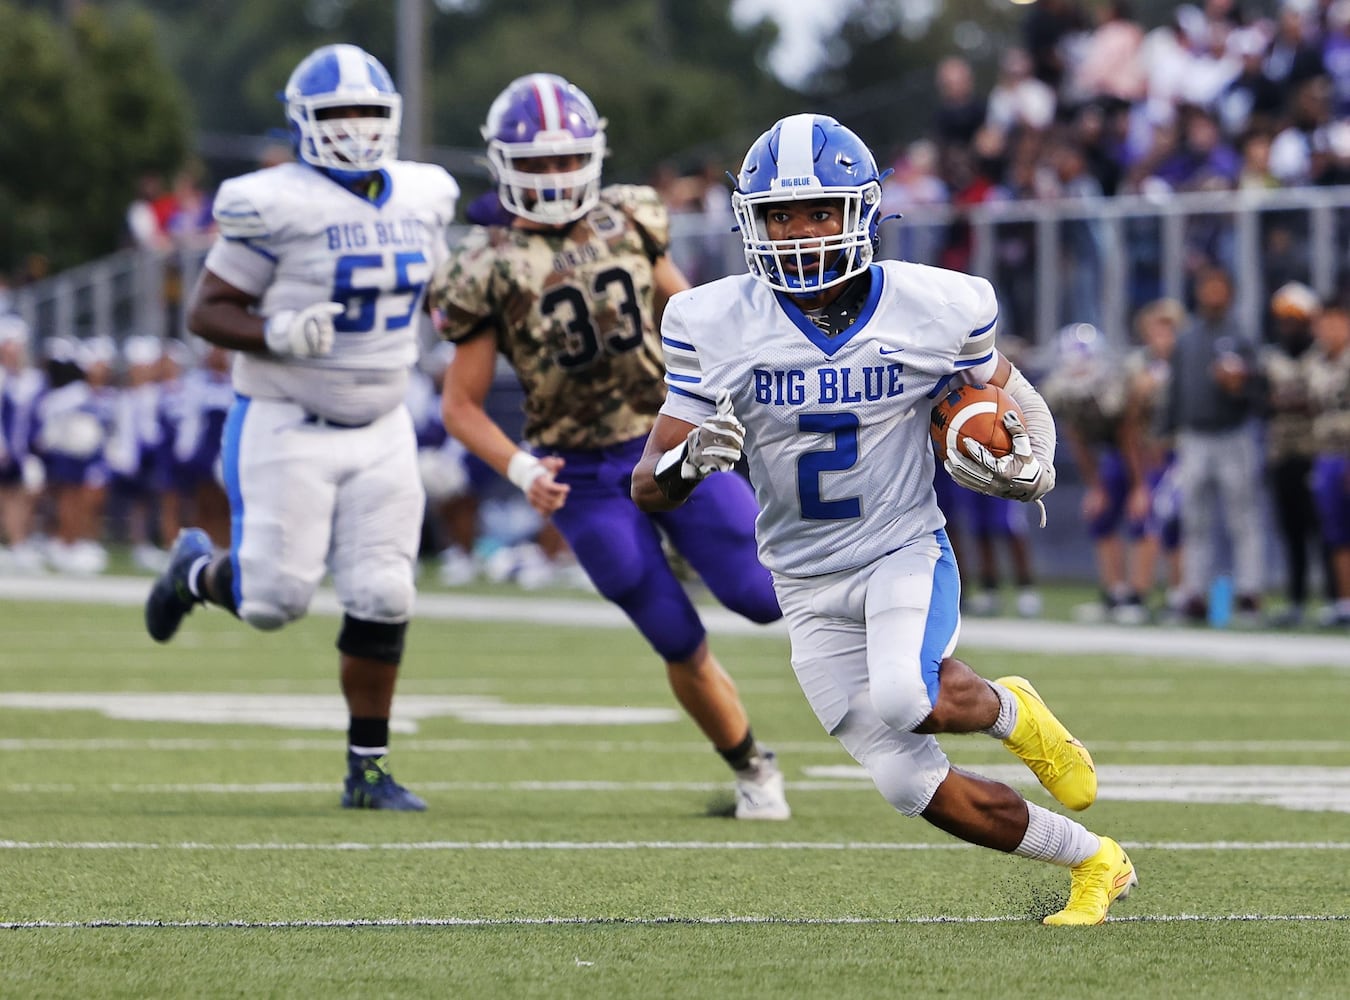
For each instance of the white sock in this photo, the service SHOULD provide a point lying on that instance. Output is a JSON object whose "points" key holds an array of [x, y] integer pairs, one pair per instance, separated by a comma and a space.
{"points": [[1007, 713], [195, 574], [368, 751], [1056, 839]]}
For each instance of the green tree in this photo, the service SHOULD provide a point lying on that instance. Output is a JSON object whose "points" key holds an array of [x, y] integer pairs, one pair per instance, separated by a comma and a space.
{"points": [[675, 78], [89, 107]]}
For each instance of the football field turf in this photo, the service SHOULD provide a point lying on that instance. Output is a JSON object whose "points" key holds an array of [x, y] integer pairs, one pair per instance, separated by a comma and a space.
{"points": [[169, 822]]}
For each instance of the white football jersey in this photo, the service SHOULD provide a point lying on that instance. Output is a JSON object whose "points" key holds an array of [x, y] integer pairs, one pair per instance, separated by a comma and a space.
{"points": [[836, 427], [292, 236]]}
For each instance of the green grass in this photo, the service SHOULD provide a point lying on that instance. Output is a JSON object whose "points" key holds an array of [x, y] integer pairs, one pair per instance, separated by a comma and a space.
{"points": [[124, 822]]}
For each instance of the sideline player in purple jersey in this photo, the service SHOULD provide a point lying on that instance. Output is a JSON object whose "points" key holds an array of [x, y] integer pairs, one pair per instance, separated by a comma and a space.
{"points": [[316, 282], [824, 366], [571, 293]]}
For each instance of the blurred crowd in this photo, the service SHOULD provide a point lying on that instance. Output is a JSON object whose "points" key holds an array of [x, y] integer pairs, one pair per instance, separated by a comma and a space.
{"points": [[1187, 457], [102, 444], [1210, 466]]}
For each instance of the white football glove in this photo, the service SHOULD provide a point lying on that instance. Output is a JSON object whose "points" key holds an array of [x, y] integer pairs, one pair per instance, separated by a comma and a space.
{"points": [[304, 333], [714, 445], [1016, 476]]}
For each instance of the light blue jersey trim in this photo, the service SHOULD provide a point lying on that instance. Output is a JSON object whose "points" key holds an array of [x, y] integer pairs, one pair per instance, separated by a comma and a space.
{"points": [[944, 614], [229, 461]]}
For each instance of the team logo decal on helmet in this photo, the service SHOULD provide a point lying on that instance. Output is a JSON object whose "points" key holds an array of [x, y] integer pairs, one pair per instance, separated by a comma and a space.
{"points": [[328, 81], [808, 157], [546, 147]]}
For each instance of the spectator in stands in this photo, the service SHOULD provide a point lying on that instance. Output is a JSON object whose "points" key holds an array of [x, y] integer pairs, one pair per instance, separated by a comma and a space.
{"points": [[21, 473], [1289, 439], [1019, 99], [1047, 32], [1088, 392], [1251, 99], [1295, 54], [1112, 65], [1291, 154], [1214, 397], [960, 110], [144, 224], [1329, 389], [1150, 458], [131, 448]]}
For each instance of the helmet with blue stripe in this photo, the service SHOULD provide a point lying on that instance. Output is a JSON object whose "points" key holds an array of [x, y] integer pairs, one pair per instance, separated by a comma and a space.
{"points": [[344, 111], [546, 147], [808, 157]]}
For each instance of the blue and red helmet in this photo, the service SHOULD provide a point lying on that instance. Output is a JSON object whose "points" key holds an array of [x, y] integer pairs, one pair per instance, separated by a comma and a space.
{"points": [[343, 77], [543, 116], [808, 157]]}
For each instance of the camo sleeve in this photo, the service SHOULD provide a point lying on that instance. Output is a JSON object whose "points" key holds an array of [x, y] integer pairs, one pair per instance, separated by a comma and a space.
{"points": [[646, 211], [461, 292]]}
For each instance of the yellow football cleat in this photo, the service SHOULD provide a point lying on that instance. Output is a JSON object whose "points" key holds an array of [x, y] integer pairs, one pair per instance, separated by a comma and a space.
{"points": [[1097, 883], [1059, 761]]}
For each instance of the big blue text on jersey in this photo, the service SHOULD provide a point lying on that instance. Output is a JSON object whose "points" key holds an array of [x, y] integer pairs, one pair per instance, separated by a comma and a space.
{"points": [[865, 383], [393, 233]]}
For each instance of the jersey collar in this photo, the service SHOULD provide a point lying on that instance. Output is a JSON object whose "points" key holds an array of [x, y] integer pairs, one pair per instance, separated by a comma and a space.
{"points": [[828, 345]]}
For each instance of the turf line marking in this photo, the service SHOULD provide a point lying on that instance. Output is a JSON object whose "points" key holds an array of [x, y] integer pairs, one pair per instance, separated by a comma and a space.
{"points": [[634, 845], [526, 745], [1265, 650], [1160, 918]]}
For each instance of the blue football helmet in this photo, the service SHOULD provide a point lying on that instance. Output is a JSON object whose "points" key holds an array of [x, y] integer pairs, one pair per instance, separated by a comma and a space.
{"points": [[343, 76], [542, 115], [808, 157]]}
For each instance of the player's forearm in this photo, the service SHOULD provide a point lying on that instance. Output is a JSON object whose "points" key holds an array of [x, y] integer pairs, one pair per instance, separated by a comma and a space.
{"points": [[647, 492], [1036, 417], [469, 423], [226, 324]]}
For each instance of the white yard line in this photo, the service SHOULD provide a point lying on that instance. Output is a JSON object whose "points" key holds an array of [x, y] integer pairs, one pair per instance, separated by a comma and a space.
{"points": [[1267, 649], [47, 744], [629, 845], [1158, 918]]}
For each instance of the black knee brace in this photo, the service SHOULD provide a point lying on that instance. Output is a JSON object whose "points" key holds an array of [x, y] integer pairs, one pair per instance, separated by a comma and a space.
{"points": [[381, 641]]}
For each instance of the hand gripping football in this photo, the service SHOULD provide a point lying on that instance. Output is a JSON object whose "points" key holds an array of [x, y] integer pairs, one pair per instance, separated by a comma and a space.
{"points": [[974, 412]]}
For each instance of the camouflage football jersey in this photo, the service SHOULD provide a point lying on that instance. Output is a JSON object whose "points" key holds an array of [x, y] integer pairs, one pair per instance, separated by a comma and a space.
{"points": [[1091, 401], [1289, 424], [572, 312], [1329, 390]]}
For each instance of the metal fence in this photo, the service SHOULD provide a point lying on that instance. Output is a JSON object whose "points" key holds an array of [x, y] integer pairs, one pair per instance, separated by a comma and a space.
{"points": [[1052, 262]]}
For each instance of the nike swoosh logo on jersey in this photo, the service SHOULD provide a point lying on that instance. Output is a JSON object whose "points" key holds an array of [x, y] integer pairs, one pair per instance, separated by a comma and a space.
{"points": [[889, 350]]}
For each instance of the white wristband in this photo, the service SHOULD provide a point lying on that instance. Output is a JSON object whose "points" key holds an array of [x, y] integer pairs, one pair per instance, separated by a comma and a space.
{"points": [[524, 469]]}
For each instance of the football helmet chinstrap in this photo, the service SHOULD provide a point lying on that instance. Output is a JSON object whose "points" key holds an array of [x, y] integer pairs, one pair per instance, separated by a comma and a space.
{"points": [[543, 115], [343, 76], [808, 157]]}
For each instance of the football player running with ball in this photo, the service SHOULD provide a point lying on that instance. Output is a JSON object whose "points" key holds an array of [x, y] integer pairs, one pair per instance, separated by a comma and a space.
{"points": [[831, 363], [570, 290], [316, 280]]}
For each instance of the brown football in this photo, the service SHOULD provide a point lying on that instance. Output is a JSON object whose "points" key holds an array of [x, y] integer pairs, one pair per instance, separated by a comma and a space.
{"points": [[974, 412]]}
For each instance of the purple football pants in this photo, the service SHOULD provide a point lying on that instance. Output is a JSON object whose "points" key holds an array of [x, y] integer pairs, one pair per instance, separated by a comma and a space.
{"points": [[619, 547]]}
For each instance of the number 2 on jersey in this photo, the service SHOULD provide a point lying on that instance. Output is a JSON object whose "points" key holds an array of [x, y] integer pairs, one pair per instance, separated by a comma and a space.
{"points": [[843, 455]]}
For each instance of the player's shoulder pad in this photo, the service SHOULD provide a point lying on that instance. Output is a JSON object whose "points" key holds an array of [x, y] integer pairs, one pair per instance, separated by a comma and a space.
{"points": [[241, 205], [644, 207], [432, 183]]}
